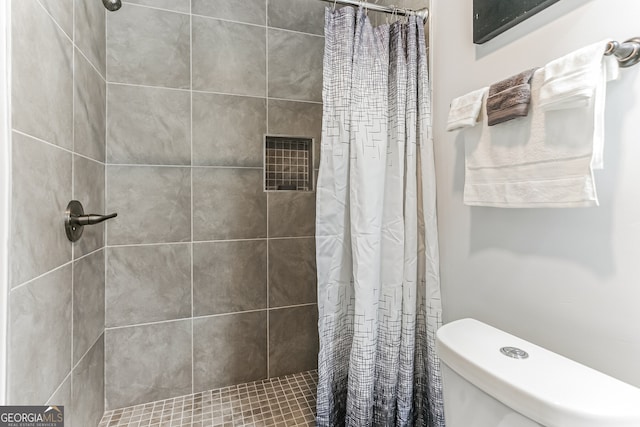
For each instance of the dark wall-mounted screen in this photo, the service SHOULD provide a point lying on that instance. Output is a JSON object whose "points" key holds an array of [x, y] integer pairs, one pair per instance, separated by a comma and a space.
{"points": [[492, 17]]}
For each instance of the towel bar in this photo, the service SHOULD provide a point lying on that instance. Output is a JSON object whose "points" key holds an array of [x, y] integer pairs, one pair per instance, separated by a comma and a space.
{"points": [[628, 53]]}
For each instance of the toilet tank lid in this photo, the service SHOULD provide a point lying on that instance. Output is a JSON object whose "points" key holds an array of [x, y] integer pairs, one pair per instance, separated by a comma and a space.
{"points": [[546, 387]]}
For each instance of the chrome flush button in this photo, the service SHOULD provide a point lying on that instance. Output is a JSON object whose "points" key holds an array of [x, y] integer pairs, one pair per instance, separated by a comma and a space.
{"points": [[514, 352]]}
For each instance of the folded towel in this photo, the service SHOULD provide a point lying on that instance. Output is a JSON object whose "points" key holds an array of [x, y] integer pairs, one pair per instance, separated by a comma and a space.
{"points": [[609, 71], [575, 81], [509, 98], [571, 81], [465, 110], [544, 160]]}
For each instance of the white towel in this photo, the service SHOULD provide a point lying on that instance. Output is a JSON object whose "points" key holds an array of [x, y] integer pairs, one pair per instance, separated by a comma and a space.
{"points": [[572, 80], [465, 110], [543, 160], [577, 79]]}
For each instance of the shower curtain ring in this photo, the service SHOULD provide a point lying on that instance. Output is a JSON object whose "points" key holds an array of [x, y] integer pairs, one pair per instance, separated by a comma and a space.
{"points": [[392, 15]]}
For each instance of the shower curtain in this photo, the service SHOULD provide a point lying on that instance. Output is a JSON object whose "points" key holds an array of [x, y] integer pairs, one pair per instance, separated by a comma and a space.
{"points": [[376, 236]]}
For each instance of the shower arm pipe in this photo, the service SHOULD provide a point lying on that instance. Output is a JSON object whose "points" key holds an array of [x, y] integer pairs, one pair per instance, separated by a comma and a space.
{"points": [[422, 13]]}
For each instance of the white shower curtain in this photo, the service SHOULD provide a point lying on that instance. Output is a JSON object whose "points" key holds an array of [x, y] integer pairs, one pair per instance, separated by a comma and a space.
{"points": [[376, 236]]}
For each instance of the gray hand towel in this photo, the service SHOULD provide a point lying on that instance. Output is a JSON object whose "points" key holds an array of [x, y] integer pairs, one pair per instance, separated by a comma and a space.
{"points": [[509, 98]]}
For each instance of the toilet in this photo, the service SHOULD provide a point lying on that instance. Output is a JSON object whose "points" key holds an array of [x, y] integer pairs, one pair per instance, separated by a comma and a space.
{"points": [[493, 379]]}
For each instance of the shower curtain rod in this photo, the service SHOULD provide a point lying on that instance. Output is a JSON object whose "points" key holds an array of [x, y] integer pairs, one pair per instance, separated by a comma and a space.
{"points": [[422, 13]]}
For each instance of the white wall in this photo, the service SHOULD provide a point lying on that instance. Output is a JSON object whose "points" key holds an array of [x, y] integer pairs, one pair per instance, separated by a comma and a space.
{"points": [[566, 279]]}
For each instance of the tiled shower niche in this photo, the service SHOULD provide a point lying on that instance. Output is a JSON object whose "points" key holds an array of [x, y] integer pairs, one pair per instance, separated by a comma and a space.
{"points": [[288, 163]]}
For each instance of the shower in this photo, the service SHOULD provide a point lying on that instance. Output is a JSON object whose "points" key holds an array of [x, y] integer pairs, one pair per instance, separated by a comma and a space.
{"points": [[112, 5]]}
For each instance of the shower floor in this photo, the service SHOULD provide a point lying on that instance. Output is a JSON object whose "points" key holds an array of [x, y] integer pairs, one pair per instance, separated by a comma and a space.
{"points": [[282, 401]]}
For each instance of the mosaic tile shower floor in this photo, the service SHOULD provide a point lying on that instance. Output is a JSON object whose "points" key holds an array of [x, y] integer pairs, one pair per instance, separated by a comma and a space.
{"points": [[283, 401]]}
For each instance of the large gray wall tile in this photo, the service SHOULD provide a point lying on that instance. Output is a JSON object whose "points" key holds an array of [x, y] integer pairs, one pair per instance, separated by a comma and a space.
{"points": [[228, 204], [88, 302], [90, 34], [297, 119], [177, 5], [42, 87], [40, 337], [149, 125], [293, 340], [148, 46], [228, 57], [228, 130], [230, 349], [229, 276], [90, 110], [292, 214], [148, 284], [251, 11], [295, 66], [153, 204], [88, 188], [292, 272], [62, 12], [41, 189], [306, 16], [147, 363], [88, 388]]}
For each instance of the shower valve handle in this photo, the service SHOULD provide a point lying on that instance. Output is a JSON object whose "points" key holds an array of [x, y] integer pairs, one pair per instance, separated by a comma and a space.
{"points": [[90, 219], [75, 220]]}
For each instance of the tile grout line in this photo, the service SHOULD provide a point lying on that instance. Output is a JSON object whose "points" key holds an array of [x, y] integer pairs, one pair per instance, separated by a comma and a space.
{"points": [[60, 267], [105, 199], [291, 237], [287, 30], [268, 331], [206, 316], [146, 6], [183, 166], [257, 239], [67, 377], [157, 322], [191, 188], [35, 138], [211, 92], [274, 98], [135, 245], [95, 341], [90, 62], [230, 21]]}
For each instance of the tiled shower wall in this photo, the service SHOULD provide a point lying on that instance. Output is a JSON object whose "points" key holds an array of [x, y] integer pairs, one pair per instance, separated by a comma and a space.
{"points": [[56, 301], [210, 280]]}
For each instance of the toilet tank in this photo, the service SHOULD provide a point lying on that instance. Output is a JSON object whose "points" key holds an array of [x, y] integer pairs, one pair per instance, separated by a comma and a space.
{"points": [[524, 384]]}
